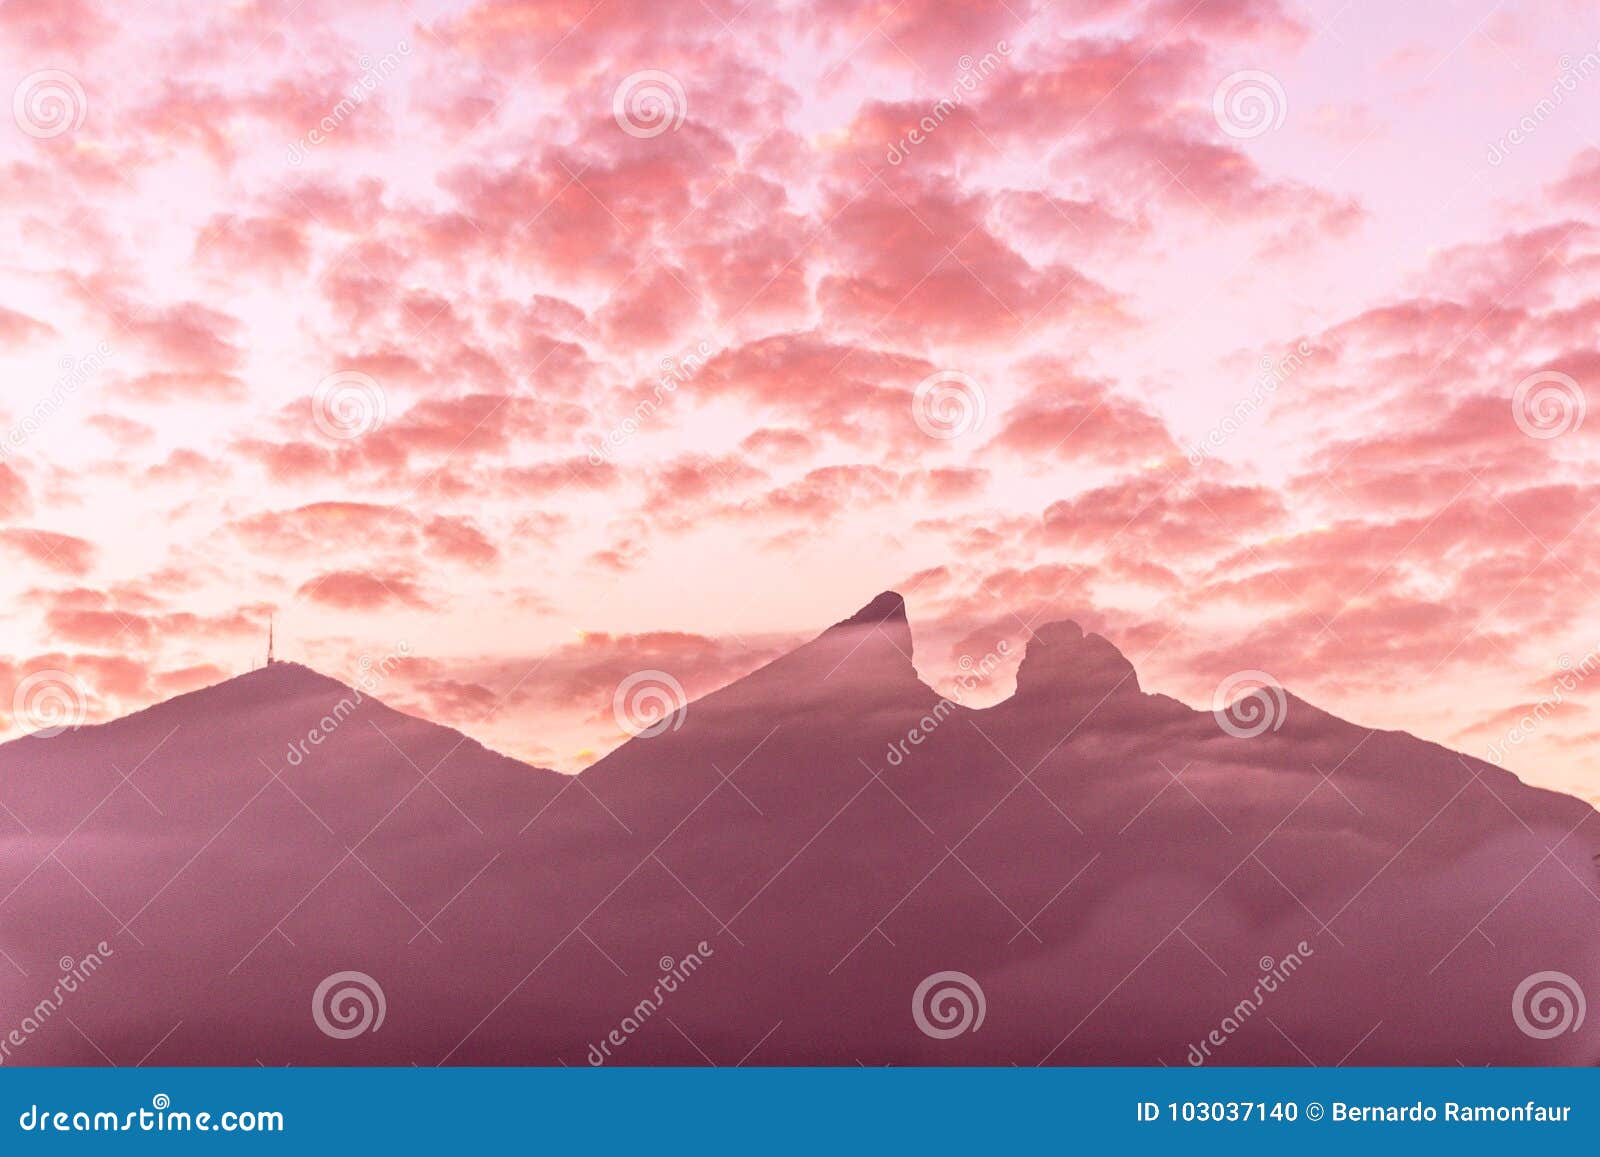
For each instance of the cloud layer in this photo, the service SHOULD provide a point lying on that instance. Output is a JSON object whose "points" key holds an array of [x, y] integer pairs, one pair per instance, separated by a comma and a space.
{"points": [[550, 342]]}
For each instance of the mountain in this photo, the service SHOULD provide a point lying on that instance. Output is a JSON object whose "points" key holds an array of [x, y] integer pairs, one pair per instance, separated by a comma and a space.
{"points": [[823, 862]]}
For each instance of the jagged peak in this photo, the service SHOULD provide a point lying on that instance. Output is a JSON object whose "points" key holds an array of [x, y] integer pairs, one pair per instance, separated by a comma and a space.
{"points": [[888, 608], [879, 633]]}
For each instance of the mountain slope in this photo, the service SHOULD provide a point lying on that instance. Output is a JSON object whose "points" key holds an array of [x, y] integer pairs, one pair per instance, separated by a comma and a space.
{"points": [[1113, 869]]}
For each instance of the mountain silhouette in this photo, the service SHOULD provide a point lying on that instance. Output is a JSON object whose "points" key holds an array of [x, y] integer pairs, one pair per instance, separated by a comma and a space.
{"points": [[825, 862]]}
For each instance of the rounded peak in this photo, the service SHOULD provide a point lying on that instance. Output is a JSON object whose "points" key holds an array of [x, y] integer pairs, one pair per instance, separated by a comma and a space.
{"points": [[1059, 633], [1061, 659], [286, 672]]}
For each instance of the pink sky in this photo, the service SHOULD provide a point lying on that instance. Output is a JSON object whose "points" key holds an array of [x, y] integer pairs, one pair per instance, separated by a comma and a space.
{"points": [[390, 366]]}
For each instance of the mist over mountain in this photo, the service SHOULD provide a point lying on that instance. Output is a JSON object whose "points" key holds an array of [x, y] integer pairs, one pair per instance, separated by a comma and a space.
{"points": [[825, 862]]}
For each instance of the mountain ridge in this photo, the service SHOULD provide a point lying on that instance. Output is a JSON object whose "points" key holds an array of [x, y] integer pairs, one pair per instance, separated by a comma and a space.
{"points": [[834, 832], [1045, 666], [285, 680], [1043, 669]]}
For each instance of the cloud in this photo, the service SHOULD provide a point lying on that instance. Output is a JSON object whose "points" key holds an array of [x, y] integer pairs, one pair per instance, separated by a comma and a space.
{"points": [[1072, 230], [20, 328], [361, 590], [62, 553]]}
